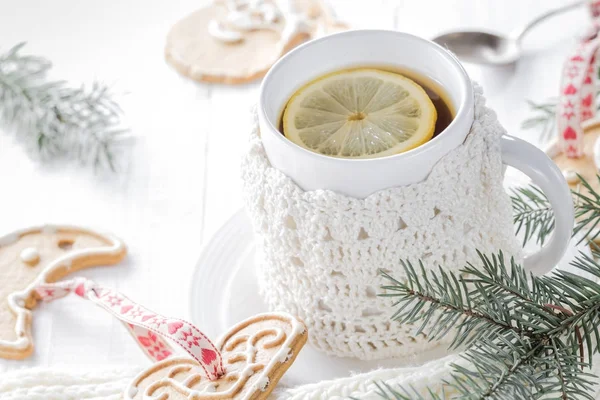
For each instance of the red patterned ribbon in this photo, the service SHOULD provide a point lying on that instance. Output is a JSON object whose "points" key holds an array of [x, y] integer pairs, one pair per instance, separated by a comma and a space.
{"points": [[578, 86], [146, 327]]}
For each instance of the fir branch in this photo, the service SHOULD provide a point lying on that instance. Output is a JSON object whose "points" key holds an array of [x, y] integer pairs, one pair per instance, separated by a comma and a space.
{"points": [[532, 213], [543, 118], [534, 216], [55, 121], [498, 370], [525, 336], [587, 210], [442, 301]]}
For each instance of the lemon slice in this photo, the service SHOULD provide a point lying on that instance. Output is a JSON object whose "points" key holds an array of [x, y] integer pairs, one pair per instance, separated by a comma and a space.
{"points": [[360, 113]]}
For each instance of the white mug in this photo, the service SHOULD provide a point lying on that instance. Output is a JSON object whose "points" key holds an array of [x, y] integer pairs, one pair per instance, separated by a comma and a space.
{"points": [[361, 177]]}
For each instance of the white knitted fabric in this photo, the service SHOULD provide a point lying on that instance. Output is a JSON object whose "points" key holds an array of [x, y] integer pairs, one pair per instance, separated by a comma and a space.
{"points": [[319, 252], [83, 383], [109, 384]]}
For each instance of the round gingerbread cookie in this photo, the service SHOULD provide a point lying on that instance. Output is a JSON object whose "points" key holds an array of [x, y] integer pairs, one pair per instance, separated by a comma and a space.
{"points": [[587, 165], [237, 41]]}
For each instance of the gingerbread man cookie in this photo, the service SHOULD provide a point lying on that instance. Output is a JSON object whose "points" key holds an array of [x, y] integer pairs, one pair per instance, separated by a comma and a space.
{"points": [[237, 41], [255, 353], [36, 256]]}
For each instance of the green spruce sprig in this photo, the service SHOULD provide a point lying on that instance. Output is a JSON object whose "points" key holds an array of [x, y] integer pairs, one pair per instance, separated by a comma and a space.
{"points": [[526, 337], [534, 217], [543, 118], [587, 210], [532, 214], [55, 121]]}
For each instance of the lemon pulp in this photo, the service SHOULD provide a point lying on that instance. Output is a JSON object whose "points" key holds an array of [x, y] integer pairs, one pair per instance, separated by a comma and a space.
{"points": [[360, 113]]}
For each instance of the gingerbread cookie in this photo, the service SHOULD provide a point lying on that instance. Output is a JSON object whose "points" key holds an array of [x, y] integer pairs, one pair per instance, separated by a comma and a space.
{"points": [[256, 353], [36, 256], [237, 41], [587, 165]]}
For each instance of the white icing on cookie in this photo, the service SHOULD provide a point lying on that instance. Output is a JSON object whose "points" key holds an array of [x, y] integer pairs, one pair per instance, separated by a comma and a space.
{"points": [[132, 391], [570, 175], [249, 20], [30, 255], [224, 35], [262, 383], [20, 302], [49, 229], [284, 355], [247, 372], [597, 154], [210, 388], [553, 149], [21, 343], [295, 23], [9, 239], [189, 380], [245, 16]]}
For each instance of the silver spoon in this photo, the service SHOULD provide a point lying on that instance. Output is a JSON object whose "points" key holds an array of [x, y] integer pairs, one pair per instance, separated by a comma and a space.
{"points": [[482, 47]]}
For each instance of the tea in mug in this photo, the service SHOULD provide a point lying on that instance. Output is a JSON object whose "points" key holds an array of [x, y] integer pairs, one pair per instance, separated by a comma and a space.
{"points": [[366, 113]]}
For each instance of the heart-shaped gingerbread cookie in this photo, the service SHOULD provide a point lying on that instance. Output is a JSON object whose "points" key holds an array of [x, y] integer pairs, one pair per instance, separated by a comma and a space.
{"points": [[37, 256], [255, 353]]}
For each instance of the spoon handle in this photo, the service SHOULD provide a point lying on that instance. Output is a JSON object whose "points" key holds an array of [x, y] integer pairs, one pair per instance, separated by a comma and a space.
{"points": [[521, 32]]}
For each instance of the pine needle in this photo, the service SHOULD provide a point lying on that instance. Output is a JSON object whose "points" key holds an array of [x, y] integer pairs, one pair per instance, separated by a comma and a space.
{"points": [[525, 337], [587, 210], [532, 214], [534, 217], [55, 121], [543, 118]]}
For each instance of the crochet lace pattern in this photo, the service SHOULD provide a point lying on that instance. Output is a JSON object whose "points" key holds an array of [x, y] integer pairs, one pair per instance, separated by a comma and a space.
{"points": [[320, 253]]}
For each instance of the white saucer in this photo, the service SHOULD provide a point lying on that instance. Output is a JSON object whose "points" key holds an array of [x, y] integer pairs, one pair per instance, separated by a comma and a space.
{"points": [[225, 291]]}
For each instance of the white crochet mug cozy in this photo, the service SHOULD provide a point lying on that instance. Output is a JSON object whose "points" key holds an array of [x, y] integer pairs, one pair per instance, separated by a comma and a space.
{"points": [[326, 226]]}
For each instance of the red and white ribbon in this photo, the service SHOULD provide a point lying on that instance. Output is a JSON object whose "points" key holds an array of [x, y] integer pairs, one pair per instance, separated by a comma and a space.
{"points": [[148, 328], [578, 87]]}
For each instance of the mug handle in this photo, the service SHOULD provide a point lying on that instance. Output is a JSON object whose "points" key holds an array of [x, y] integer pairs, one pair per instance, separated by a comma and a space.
{"points": [[547, 176]]}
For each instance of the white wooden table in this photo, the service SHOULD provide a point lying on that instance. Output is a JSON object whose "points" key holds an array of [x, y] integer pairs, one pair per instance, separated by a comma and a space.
{"points": [[182, 180]]}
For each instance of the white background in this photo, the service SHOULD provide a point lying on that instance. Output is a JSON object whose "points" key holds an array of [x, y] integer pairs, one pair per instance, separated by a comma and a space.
{"points": [[182, 183]]}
